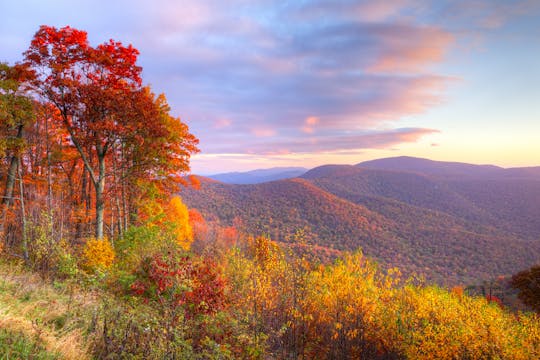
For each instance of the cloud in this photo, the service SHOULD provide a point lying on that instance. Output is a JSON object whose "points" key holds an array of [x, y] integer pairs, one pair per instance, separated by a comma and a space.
{"points": [[342, 142], [222, 123], [263, 132], [309, 124], [269, 74], [485, 14], [263, 77], [409, 49]]}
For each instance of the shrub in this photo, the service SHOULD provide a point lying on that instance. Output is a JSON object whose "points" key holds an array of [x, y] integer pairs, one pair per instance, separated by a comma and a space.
{"points": [[98, 254], [67, 265], [178, 280]]}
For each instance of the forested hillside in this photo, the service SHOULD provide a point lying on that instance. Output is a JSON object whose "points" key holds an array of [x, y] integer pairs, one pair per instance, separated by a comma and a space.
{"points": [[432, 223]]}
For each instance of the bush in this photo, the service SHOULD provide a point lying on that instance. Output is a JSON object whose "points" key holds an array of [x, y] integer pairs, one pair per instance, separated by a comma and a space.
{"points": [[98, 255], [67, 265]]}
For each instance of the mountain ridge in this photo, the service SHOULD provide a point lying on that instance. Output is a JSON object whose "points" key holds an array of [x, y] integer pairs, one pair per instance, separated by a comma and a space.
{"points": [[450, 229], [445, 168]]}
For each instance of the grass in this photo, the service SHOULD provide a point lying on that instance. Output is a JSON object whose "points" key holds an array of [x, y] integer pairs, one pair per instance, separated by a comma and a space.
{"points": [[40, 320], [16, 345]]}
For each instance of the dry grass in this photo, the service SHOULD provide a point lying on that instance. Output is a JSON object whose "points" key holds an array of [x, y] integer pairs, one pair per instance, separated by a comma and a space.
{"points": [[57, 316]]}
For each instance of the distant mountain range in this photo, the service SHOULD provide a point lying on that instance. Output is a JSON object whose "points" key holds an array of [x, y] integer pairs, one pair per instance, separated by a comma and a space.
{"points": [[259, 176], [443, 169], [450, 222]]}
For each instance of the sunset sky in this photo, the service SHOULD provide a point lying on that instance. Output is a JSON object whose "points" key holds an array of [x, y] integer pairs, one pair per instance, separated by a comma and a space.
{"points": [[304, 83]]}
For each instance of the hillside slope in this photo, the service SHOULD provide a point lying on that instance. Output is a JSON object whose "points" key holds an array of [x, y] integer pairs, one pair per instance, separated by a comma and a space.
{"points": [[508, 199], [369, 210]]}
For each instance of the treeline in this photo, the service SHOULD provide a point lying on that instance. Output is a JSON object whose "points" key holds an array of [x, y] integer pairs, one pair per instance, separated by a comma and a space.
{"points": [[242, 297], [85, 148]]}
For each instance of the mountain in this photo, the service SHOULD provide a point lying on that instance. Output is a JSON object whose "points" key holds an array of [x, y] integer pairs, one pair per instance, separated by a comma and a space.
{"points": [[454, 170], [449, 222], [508, 199], [360, 185], [259, 176]]}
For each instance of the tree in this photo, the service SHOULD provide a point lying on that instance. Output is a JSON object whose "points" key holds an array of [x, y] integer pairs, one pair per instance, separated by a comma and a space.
{"points": [[153, 159], [16, 113], [177, 219], [528, 284], [118, 127]]}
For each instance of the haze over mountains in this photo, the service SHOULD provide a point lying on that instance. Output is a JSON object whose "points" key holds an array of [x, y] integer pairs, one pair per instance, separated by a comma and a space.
{"points": [[259, 175], [450, 222]]}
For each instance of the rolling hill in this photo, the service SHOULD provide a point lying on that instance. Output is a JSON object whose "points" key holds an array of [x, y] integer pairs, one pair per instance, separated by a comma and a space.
{"points": [[450, 222]]}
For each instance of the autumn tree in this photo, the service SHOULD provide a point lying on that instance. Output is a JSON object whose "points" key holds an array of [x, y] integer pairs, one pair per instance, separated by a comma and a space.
{"points": [[198, 225], [115, 124], [153, 158], [527, 282], [16, 113]]}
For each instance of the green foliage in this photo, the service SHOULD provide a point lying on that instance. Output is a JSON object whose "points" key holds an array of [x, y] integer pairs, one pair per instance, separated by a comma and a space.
{"points": [[47, 253], [67, 265], [15, 345], [143, 332], [15, 109], [138, 243], [136, 333]]}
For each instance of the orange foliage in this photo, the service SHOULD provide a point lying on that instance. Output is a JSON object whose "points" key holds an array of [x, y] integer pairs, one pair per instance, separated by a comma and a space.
{"points": [[229, 235], [198, 225]]}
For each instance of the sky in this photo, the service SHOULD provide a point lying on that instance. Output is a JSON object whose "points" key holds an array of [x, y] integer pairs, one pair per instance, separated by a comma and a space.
{"points": [[304, 83]]}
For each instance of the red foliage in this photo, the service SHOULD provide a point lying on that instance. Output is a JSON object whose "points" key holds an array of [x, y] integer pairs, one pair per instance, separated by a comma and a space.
{"points": [[196, 285], [229, 236], [494, 299], [198, 225], [120, 136]]}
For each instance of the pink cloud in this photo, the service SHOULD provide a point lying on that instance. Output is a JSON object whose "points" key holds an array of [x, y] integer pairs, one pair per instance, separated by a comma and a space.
{"points": [[222, 123], [410, 49], [324, 143], [309, 124], [488, 14], [366, 11], [263, 132], [380, 10]]}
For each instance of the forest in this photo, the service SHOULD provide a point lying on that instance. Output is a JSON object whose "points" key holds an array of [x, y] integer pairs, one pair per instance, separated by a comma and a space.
{"points": [[444, 231], [100, 258]]}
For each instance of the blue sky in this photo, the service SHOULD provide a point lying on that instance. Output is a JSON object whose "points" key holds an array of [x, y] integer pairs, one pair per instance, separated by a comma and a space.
{"points": [[303, 83]]}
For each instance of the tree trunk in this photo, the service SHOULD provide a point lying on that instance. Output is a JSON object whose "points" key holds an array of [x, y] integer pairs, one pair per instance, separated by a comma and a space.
{"points": [[23, 214], [100, 201], [49, 170], [7, 199]]}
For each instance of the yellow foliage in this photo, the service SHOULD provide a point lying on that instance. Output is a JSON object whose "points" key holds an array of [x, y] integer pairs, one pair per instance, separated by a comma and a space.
{"points": [[98, 254], [178, 222], [351, 309], [172, 218]]}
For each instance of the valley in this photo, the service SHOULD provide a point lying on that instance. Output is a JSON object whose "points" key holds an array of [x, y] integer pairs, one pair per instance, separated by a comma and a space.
{"points": [[449, 223]]}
